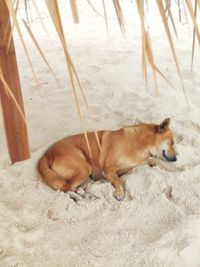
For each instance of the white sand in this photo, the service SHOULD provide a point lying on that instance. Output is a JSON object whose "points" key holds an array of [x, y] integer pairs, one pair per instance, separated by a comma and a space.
{"points": [[41, 227]]}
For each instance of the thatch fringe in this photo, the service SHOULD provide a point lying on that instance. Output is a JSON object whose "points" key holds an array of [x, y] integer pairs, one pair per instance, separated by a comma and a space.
{"points": [[164, 8], [147, 53], [166, 26], [52, 6]]}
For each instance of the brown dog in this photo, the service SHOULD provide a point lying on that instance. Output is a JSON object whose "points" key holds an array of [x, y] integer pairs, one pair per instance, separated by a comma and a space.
{"points": [[67, 164]]}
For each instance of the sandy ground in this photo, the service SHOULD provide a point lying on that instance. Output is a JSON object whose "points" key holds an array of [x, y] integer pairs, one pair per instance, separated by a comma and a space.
{"points": [[41, 227]]}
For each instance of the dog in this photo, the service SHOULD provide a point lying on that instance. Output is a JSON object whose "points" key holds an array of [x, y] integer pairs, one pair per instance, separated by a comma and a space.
{"points": [[67, 164]]}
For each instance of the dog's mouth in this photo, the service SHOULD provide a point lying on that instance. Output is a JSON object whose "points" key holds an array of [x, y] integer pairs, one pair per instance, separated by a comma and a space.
{"points": [[168, 158]]}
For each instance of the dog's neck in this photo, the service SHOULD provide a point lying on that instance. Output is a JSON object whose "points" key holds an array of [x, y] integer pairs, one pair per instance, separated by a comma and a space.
{"points": [[141, 131], [143, 134]]}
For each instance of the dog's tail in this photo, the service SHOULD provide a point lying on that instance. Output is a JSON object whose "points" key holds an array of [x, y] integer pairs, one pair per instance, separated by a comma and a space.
{"points": [[49, 176]]}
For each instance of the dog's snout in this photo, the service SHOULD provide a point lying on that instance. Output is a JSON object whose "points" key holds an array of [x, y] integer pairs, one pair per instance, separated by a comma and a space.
{"points": [[174, 158], [169, 157]]}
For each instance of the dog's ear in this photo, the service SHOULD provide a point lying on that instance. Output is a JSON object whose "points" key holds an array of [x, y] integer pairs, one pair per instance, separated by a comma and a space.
{"points": [[164, 125]]}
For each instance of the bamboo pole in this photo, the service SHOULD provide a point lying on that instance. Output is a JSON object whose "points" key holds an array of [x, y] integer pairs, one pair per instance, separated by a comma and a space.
{"points": [[15, 127]]}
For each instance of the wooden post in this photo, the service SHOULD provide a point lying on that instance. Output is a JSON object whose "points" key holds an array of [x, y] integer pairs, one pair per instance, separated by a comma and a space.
{"points": [[15, 127]]}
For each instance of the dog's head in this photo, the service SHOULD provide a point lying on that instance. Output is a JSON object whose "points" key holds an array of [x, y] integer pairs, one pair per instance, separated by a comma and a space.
{"points": [[164, 146]]}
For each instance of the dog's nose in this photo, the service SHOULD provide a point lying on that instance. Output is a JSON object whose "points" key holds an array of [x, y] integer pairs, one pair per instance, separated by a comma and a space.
{"points": [[174, 158]]}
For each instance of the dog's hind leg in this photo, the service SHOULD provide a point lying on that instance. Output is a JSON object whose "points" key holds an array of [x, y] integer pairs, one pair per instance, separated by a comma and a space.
{"points": [[80, 177], [64, 173], [111, 175]]}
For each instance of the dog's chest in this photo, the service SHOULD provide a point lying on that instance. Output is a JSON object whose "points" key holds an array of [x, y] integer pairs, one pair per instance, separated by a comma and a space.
{"points": [[130, 161], [125, 163]]}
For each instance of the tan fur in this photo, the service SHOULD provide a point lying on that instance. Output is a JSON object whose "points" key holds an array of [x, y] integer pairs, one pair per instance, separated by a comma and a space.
{"points": [[67, 164]]}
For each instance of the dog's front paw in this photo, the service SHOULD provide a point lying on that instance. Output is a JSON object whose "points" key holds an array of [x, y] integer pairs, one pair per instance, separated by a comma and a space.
{"points": [[119, 194], [151, 162]]}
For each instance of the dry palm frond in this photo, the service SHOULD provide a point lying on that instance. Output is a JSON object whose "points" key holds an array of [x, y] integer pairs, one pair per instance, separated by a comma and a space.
{"points": [[173, 24], [147, 50], [146, 47], [119, 14], [52, 6], [40, 51], [151, 59], [169, 14], [144, 62], [190, 9], [74, 9], [14, 18], [166, 26]]}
